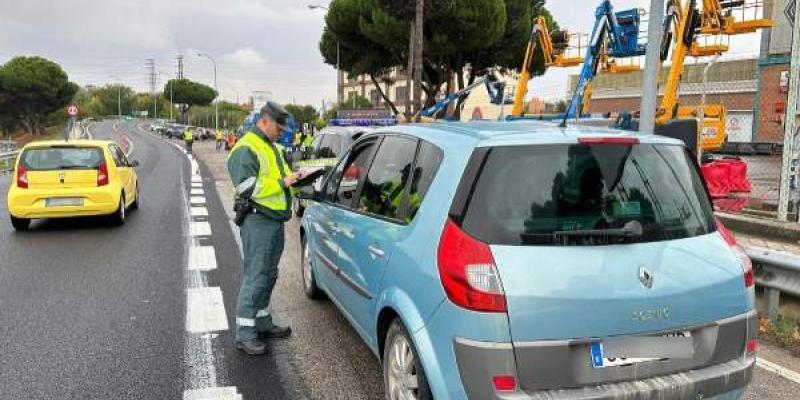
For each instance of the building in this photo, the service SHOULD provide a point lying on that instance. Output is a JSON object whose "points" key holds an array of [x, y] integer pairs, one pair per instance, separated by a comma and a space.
{"points": [[773, 71], [392, 84]]}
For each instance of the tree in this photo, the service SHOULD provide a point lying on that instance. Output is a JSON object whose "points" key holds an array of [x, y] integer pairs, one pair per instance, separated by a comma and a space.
{"points": [[33, 88], [303, 114], [464, 39], [189, 94]]}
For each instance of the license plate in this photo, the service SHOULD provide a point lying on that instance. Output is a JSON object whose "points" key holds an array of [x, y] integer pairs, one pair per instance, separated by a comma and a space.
{"points": [[599, 360], [64, 202]]}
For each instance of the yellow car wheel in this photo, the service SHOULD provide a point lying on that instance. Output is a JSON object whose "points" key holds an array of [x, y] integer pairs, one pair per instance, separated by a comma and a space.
{"points": [[20, 224]]}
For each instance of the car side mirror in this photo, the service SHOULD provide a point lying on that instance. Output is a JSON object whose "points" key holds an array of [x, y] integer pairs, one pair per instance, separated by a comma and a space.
{"points": [[309, 193], [134, 163]]}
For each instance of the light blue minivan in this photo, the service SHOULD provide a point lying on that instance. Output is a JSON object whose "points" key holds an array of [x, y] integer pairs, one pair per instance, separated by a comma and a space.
{"points": [[527, 261]]}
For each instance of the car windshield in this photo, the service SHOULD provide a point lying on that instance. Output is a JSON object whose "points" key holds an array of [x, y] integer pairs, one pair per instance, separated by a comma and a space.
{"points": [[56, 158], [587, 195]]}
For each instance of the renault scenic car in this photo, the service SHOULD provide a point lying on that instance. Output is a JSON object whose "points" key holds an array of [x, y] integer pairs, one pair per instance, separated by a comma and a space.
{"points": [[526, 261]]}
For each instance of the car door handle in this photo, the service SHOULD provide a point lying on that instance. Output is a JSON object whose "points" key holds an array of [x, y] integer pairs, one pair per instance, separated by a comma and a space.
{"points": [[375, 252]]}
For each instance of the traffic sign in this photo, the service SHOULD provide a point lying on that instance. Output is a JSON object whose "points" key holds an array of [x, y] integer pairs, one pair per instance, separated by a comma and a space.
{"points": [[789, 12], [72, 110]]}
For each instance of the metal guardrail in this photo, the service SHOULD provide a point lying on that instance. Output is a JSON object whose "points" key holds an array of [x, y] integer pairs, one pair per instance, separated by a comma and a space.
{"points": [[777, 272], [7, 160], [7, 146]]}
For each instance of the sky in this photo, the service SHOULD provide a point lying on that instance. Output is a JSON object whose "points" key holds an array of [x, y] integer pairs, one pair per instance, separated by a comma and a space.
{"points": [[258, 45]]}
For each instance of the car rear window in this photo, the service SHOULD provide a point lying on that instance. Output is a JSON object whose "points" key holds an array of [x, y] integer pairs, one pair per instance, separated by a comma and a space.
{"points": [[59, 158], [582, 195]]}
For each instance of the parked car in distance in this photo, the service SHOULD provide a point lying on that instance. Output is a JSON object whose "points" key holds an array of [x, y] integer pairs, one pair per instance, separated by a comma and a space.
{"points": [[328, 144], [522, 260], [57, 179]]}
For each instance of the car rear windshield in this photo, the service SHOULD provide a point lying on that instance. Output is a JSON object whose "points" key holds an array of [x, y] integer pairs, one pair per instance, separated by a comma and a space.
{"points": [[582, 195], [60, 158]]}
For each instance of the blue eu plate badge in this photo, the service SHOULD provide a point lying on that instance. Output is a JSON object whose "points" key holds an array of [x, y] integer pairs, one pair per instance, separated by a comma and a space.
{"points": [[597, 354]]}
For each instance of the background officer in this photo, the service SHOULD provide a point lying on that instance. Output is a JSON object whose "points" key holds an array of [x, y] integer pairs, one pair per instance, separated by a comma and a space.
{"points": [[188, 137], [260, 174]]}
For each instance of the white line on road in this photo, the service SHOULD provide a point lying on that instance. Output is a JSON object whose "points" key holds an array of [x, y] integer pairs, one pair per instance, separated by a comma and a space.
{"points": [[197, 192], [205, 310], [775, 368], [197, 179], [196, 185], [197, 200], [202, 258], [198, 212], [199, 228], [217, 393]]}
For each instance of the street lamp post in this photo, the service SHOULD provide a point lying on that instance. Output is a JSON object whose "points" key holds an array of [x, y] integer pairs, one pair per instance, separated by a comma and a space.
{"points": [[119, 96], [338, 71], [216, 100]]}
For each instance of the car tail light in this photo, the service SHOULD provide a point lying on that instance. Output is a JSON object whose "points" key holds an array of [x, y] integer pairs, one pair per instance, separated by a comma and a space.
{"points": [[468, 272], [504, 383], [752, 346], [609, 140], [747, 265], [22, 177], [102, 174]]}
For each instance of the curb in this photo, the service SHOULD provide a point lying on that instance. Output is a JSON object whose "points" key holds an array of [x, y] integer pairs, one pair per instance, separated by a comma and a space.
{"points": [[786, 231]]}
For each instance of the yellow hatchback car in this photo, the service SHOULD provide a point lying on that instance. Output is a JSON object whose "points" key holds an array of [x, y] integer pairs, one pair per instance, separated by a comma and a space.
{"points": [[57, 179]]}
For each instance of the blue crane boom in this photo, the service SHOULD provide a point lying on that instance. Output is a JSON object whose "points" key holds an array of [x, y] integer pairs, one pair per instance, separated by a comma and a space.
{"points": [[614, 32]]}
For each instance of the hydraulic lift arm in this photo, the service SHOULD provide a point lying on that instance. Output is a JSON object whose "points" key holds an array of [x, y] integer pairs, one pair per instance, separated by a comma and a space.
{"points": [[615, 33]]}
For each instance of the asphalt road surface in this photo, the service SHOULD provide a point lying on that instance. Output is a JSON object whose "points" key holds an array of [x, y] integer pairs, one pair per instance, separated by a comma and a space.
{"points": [[90, 311]]}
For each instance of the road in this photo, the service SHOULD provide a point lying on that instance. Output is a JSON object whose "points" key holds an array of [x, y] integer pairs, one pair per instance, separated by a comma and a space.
{"points": [[90, 311]]}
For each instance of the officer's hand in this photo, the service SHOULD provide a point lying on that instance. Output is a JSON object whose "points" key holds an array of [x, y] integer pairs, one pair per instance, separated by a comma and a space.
{"points": [[290, 179]]}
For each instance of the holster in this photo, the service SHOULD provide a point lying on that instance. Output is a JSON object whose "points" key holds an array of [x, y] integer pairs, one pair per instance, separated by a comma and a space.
{"points": [[241, 207]]}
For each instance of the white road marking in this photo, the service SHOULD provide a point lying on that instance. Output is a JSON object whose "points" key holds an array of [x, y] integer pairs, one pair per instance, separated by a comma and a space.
{"points": [[201, 228], [216, 393], [197, 192], [205, 310], [775, 368], [198, 212], [197, 178], [202, 258], [197, 185], [197, 200]]}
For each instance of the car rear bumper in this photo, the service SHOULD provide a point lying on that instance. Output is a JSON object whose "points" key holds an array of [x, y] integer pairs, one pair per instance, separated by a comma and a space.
{"points": [[480, 361], [32, 204], [562, 369]]}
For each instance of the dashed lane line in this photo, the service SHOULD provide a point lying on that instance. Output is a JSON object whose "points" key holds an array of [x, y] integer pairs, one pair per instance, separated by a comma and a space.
{"points": [[198, 212], [202, 258], [217, 393], [199, 228], [197, 200], [205, 310], [197, 192]]}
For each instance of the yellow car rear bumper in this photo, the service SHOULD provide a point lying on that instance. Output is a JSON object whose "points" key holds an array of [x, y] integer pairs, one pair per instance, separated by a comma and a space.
{"points": [[26, 203]]}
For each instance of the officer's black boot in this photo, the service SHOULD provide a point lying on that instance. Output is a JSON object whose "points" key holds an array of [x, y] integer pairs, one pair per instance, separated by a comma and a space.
{"points": [[252, 347], [276, 332]]}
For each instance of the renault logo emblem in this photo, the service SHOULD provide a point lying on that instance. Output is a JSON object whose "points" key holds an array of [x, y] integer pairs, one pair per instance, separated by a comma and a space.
{"points": [[645, 277]]}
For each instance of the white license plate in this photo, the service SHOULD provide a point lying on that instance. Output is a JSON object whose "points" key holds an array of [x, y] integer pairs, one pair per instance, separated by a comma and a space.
{"points": [[64, 202], [599, 360]]}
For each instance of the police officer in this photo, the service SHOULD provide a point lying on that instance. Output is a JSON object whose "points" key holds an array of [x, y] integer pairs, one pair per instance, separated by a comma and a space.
{"points": [[259, 171], [188, 137], [220, 137]]}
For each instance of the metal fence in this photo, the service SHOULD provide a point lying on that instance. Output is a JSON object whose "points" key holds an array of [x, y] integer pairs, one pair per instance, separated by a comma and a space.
{"points": [[777, 273]]}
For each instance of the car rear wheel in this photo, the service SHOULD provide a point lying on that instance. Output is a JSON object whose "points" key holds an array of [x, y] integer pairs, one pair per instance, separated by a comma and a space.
{"points": [[403, 376], [118, 218], [135, 204], [309, 282], [20, 224]]}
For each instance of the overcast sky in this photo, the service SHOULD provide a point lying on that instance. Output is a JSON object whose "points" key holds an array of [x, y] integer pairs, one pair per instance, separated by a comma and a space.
{"points": [[258, 44]]}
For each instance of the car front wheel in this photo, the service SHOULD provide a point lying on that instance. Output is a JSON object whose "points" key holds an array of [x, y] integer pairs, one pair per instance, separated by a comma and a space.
{"points": [[403, 376]]}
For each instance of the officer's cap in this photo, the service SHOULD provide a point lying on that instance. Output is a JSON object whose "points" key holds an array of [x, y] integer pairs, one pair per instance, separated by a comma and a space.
{"points": [[275, 112]]}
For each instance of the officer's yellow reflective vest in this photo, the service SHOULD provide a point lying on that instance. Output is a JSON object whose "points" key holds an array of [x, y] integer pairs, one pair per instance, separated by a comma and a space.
{"points": [[269, 191], [297, 137], [188, 135], [308, 141], [220, 136]]}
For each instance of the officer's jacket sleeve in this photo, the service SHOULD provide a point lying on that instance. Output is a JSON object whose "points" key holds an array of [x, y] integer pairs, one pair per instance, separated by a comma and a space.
{"points": [[243, 168]]}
